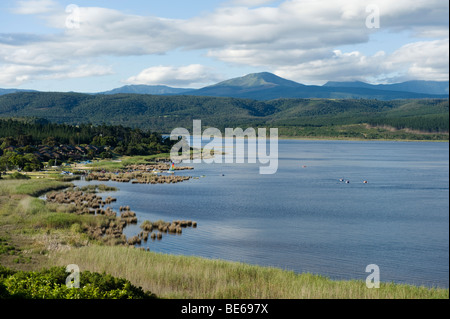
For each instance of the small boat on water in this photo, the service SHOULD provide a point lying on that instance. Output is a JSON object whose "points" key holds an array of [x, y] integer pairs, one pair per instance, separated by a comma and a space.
{"points": [[172, 169]]}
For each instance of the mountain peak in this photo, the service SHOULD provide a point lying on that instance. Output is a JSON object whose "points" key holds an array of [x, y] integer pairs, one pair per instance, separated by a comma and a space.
{"points": [[264, 79]]}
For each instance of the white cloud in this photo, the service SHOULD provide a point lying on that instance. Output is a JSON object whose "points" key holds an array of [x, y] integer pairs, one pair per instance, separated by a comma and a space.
{"points": [[304, 25], [340, 66], [193, 75], [14, 75], [17, 74], [262, 57], [425, 60], [35, 6], [250, 3], [297, 38], [78, 71]]}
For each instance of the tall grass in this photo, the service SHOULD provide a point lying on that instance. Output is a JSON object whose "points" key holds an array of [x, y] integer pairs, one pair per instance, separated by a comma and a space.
{"points": [[125, 161], [40, 226], [171, 276], [32, 187]]}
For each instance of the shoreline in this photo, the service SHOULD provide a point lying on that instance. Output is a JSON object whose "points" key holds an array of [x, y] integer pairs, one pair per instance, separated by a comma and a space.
{"points": [[355, 139], [329, 138]]}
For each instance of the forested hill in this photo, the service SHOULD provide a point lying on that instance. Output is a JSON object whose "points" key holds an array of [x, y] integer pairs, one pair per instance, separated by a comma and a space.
{"points": [[163, 113]]}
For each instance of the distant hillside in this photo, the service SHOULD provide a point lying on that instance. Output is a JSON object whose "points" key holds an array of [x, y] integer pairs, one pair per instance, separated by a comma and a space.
{"points": [[258, 80], [425, 87], [147, 89], [164, 113], [9, 91], [267, 86]]}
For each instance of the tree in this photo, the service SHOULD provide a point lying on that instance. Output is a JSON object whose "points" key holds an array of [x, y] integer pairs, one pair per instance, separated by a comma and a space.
{"points": [[24, 140], [104, 141], [31, 163], [49, 141], [8, 141]]}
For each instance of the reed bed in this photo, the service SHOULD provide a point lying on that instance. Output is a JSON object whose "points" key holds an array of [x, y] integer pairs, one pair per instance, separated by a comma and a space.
{"points": [[170, 276], [32, 187], [137, 177]]}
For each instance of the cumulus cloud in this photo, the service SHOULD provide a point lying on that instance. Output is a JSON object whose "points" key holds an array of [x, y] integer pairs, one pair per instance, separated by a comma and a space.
{"points": [[308, 25], [425, 60], [70, 52], [296, 38], [193, 75], [340, 66], [16, 75]]}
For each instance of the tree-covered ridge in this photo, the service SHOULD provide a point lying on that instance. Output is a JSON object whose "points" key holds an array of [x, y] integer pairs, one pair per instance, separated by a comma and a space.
{"points": [[164, 113], [423, 115]]}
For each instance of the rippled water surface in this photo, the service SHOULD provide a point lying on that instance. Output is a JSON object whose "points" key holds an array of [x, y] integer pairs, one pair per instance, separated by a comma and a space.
{"points": [[304, 219]]}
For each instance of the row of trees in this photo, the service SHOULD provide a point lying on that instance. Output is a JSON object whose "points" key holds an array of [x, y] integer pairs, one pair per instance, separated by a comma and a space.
{"points": [[27, 162], [426, 123], [20, 140], [22, 132]]}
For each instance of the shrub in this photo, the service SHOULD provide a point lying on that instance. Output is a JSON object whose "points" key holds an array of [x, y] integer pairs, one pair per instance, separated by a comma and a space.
{"points": [[76, 228], [50, 284], [5, 272], [60, 221], [17, 175]]}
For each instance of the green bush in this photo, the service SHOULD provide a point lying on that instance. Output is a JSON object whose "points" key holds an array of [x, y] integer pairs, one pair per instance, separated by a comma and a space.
{"points": [[76, 228], [5, 272], [17, 175], [60, 220], [50, 284]]}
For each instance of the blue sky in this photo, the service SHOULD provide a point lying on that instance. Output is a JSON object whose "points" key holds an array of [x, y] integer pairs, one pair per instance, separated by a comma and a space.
{"points": [[100, 45]]}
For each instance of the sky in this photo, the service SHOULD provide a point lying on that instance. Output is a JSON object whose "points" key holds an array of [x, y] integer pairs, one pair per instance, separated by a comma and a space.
{"points": [[95, 46]]}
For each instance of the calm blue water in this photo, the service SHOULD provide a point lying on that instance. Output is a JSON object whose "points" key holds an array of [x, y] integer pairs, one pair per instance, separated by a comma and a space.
{"points": [[304, 219]]}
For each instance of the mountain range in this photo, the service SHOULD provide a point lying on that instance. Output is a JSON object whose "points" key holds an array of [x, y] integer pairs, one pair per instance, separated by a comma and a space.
{"points": [[268, 86], [147, 89]]}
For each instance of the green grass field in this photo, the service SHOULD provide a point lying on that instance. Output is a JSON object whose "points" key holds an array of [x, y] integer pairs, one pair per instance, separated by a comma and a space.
{"points": [[124, 161], [31, 187]]}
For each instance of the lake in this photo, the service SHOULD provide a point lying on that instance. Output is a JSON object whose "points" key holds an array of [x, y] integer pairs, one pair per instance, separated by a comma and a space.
{"points": [[303, 218]]}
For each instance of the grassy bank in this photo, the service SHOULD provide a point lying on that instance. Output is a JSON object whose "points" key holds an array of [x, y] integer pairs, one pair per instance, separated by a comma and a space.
{"points": [[31, 187], [125, 161], [170, 276], [30, 228]]}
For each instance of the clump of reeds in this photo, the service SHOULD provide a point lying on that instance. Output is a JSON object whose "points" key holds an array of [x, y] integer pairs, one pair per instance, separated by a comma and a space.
{"points": [[174, 227]]}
